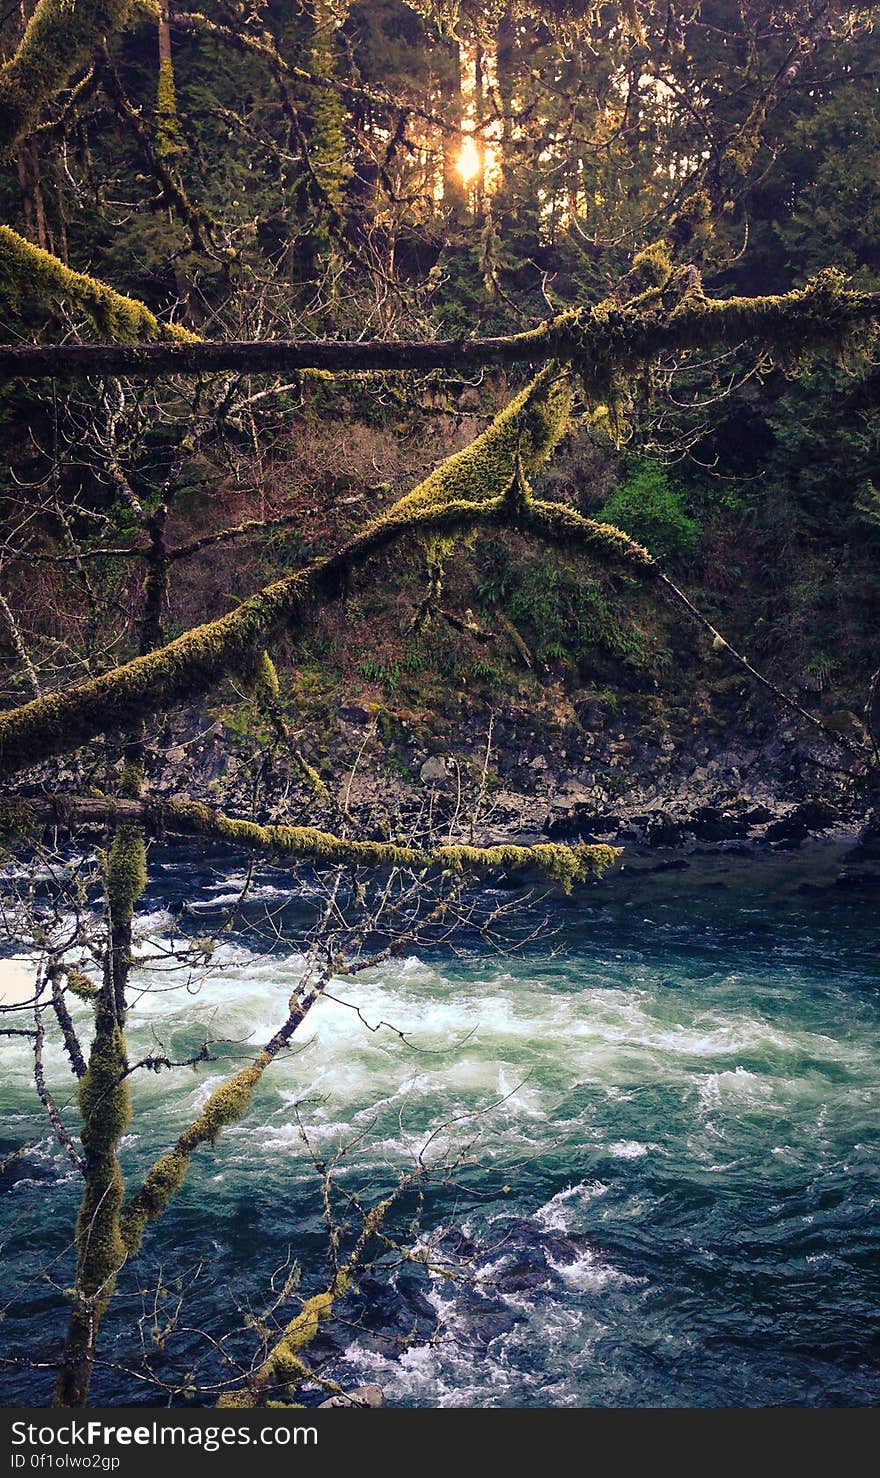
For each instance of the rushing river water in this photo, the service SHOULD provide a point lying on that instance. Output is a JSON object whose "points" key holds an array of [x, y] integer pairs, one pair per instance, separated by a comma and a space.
{"points": [[671, 1199]]}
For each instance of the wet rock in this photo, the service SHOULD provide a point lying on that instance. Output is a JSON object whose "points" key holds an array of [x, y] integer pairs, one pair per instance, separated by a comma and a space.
{"points": [[565, 1247], [664, 832], [711, 824], [867, 847], [360, 1396], [788, 832], [817, 815], [456, 1244], [481, 1318], [528, 1271], [757, 815], [395, 1308]]}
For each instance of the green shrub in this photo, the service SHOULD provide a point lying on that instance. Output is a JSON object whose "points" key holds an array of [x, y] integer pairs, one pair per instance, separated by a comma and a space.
{"points": [[650, 508]]}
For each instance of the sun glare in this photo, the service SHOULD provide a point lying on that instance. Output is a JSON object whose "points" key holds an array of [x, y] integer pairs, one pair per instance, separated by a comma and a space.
{"points": [[469, 161]]}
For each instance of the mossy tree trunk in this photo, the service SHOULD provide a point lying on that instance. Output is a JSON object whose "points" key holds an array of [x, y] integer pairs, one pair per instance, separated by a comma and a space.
{"points": [[105, 1105]]}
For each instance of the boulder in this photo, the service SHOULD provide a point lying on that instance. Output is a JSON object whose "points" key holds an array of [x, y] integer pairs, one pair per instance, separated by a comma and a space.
{"points": [[433, 770]]}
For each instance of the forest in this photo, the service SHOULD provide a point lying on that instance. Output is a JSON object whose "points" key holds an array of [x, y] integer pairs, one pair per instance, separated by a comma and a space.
{"points": [[440, 712]]}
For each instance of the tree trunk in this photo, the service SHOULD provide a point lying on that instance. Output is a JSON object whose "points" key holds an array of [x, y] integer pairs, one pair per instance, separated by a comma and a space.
{"points": [[454, 193]]}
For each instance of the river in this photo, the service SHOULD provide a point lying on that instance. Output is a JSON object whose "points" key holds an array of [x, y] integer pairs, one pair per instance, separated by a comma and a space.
{"points": [[670, 1200]]}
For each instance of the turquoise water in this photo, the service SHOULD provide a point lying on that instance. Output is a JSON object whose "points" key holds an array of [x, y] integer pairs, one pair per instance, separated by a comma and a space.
{"points": [[674, 1098]]}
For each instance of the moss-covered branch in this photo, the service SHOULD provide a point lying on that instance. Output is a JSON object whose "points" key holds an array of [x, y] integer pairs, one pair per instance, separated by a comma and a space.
{"points": [[194, 663], [470, 489], [28, 274], [226, 1105], [23, 818], [59, 38], [284, 1365], [600, 341]]}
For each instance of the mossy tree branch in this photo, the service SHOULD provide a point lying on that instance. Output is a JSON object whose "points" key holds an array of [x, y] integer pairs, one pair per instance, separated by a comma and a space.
{"points": [[30, 274], [59, 39], [561, 864], [284, 1365], [193, 664], [196, 662], [105, 1105], [607, 338], [465, 491]]}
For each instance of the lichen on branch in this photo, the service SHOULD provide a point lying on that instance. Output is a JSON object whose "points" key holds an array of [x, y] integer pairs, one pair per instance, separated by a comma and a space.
{"points": [[604, 342], [561, 864], [284, 1365], [105, 1106], [126, 875]]}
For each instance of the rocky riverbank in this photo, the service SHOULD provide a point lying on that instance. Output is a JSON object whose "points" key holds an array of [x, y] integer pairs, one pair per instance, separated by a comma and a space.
{"points": [[664, 793]]}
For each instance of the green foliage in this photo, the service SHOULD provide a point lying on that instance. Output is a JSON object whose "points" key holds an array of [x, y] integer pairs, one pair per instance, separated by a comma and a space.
{"points": [[561, 613], [384, 671], [169, 142], [652, 509]]}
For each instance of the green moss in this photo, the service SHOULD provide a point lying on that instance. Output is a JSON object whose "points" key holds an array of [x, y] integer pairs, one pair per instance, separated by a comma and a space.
{"points": [[528, 430], [226, 1105], [169, 142], [823, 314], [125, 872], [565, 528], [312, 778], [82, 986], [162, 1182], [59, 38], [327, 144], [264, 679], [104, 1102], [284, 1364], [565, 865], [561, 864], [105, 1105], [651, 268], [30, 274], [693, 226], [454, 497], [60, 722], [607, 344]]}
